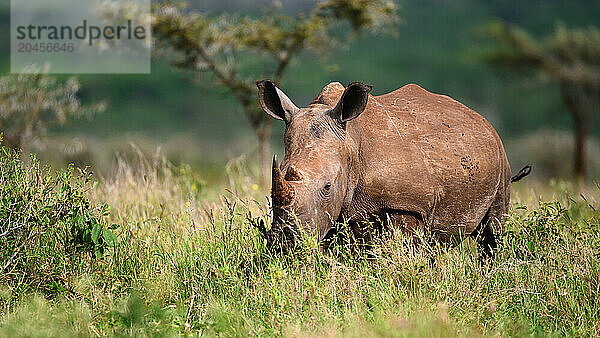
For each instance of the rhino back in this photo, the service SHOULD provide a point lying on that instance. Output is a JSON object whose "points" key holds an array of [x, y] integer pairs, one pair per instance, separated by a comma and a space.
{"points": [[428, 154]]}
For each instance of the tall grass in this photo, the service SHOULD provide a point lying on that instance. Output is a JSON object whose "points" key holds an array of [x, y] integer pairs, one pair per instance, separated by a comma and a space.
{"points": [[188, 261]]}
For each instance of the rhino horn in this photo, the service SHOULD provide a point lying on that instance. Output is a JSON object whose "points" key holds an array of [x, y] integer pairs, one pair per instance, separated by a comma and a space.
{"points": [[282, 193]]}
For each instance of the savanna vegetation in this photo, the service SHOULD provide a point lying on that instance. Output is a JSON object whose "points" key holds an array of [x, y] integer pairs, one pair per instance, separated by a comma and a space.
{"points": [[122, 237], [164, 258]]}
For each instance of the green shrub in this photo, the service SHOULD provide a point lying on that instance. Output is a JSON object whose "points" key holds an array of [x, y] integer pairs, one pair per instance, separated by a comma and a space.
{"points": [[49, 230]]}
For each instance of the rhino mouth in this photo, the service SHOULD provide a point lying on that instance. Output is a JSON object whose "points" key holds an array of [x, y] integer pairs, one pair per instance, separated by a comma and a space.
{"points": [[280, 237]]}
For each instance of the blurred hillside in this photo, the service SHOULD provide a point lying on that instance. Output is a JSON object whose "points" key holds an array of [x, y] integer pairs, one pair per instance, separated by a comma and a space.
{"points": [[439, 46]]}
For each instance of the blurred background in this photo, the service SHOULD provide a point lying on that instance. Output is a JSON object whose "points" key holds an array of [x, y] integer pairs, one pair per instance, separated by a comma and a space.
{"points": [[529, 67]]}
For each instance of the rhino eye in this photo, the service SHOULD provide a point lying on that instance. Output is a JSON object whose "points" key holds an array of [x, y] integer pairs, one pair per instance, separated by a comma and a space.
{"points": [[327, 186]]}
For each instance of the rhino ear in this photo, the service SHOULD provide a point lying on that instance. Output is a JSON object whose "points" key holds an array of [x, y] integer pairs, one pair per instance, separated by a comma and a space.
{"points": [[353, 102], [274, 102]]}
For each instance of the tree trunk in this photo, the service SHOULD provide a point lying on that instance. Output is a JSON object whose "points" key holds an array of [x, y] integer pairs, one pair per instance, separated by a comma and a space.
{"points": [[581, 122], [264, 145], [581, 135]]}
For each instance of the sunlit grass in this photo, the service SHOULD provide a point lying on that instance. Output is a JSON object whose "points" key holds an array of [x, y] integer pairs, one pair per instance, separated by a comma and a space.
{"points": [[189, 261]]}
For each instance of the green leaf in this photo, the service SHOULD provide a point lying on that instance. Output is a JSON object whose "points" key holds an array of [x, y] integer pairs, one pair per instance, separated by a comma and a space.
{"points": [[109, 238], [96, 233], [87, 236], [105, 210]]}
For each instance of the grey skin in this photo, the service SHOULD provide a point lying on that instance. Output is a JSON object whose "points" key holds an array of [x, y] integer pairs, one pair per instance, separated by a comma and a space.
{"points": [[414, 159]]}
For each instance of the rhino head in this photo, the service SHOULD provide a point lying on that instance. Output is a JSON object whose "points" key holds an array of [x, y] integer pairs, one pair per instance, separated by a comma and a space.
{"points": [[318, 174]]}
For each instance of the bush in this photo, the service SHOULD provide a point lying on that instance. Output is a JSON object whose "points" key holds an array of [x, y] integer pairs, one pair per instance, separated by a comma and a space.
{"points": [[49, 230]]}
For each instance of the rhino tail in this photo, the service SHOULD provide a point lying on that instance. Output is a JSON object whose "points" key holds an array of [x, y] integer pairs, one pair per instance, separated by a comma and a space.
{"points": [[522, 173]]}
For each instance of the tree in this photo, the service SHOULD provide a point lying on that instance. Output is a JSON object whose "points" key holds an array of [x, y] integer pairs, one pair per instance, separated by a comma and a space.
{"points": [[32, 103], [222, 45], [571, 58]]}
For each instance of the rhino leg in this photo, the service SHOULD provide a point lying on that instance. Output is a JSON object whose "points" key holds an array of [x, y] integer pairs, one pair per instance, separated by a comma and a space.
{"points": [[486, 242], [410, 224], [491, 226], [407, 222]]}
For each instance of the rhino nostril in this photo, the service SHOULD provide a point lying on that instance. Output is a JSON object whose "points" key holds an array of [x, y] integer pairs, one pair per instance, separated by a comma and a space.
{"points": [[293, 174]]}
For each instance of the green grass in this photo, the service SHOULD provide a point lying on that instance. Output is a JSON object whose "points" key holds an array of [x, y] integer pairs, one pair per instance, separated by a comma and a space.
{"points": [[187, 261]]}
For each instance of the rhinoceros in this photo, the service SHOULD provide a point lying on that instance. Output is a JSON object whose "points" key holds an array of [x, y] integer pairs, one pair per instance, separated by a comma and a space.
{"points": [[410, 158]]}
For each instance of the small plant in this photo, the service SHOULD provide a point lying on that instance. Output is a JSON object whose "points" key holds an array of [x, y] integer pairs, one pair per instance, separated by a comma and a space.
{"points": [[49, 230]]}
